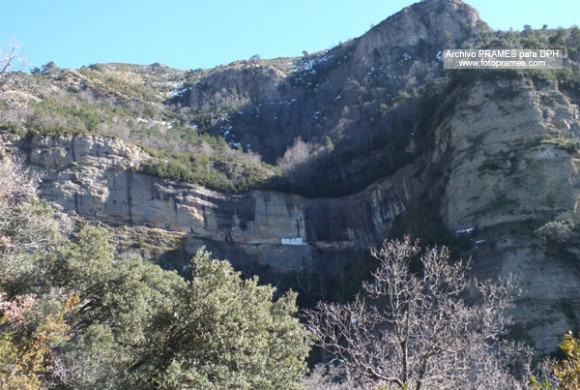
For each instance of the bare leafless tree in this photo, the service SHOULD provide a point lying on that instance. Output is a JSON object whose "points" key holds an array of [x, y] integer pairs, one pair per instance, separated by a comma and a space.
{"points": [[10, 57], [26, 224], [333, 376], [417, 330], [299, 153]]}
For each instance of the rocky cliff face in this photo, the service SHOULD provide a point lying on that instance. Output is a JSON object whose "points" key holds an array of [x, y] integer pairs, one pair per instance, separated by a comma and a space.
{"points": [[503, 169], [506, 180], [497, 156], [265, 106], [94, 177]]}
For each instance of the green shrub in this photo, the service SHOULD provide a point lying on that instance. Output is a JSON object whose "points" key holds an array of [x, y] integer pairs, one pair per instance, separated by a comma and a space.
{"points": [[561, 142], [558, 232]]}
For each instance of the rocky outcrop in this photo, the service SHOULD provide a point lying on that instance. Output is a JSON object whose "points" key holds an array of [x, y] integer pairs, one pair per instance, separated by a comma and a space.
{"points": [[236, 86], [265, 105], [504, 168], [415, 35], [94, 177], [510, 173]]}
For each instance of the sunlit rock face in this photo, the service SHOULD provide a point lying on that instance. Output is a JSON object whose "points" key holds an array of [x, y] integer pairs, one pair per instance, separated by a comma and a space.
{"points": [[507, 180], [95, 177]]}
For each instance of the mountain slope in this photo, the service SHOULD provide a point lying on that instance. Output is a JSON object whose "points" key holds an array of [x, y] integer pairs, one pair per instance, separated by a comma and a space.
{"points": [[368, 140]]}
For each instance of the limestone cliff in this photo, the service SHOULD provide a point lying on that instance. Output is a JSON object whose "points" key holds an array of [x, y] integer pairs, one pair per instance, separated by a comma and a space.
{"points": [[94, 177], [506, 179]]}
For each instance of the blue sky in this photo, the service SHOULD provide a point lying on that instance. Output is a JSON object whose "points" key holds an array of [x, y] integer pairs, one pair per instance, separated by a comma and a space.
{"points": [[189, 34]]}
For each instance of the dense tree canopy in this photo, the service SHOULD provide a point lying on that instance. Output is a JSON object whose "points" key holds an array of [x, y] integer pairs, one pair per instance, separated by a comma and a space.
{"points": [[74, 316]]}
